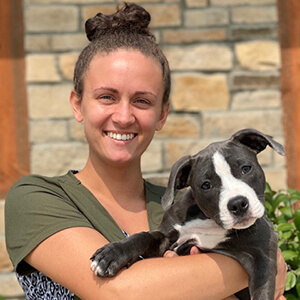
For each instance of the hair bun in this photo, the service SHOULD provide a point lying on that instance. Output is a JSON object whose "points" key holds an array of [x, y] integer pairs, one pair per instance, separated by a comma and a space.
{"points": [[130, 17]]}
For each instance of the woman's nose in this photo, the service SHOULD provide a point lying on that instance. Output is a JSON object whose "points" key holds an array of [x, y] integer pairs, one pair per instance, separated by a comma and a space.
{"points": [[123, 114]]}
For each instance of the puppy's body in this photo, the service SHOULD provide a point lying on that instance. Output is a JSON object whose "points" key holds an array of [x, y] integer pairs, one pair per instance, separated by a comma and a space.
{"points": [[221, 210]]}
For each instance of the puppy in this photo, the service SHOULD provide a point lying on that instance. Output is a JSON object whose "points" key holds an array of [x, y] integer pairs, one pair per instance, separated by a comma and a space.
{"points": [[220, 210]]}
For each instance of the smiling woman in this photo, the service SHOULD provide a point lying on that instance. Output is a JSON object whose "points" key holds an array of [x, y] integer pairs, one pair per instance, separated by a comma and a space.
{"points": [[121, 95]]}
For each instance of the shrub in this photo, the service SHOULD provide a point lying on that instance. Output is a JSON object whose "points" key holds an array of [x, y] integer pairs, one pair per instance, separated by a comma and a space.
{"points": [[282, 210]]}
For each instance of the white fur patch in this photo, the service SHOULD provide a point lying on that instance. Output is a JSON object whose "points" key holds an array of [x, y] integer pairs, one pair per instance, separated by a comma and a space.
{"points": [[232, 187], [206, 233]]}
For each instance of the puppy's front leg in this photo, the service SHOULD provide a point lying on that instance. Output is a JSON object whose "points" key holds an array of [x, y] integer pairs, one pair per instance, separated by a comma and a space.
{"points": [[111, 258]]}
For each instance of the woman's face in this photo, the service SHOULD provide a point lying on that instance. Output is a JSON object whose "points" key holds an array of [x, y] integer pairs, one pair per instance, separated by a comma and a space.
{"points": [[121, 106]]}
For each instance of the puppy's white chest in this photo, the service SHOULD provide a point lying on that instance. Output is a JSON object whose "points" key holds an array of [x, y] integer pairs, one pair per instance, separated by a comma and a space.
{"points": [[206, 233]]}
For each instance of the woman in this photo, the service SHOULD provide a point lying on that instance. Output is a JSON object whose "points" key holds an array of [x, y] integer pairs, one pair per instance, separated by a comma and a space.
{"points": [[53, 225]]}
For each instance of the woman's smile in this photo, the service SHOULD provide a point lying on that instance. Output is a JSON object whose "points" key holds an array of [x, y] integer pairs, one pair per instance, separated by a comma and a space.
{"points": [[120, 136]]}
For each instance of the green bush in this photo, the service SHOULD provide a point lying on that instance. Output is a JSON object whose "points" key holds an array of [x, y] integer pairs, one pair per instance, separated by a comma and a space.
{"points": [[280, 207]]}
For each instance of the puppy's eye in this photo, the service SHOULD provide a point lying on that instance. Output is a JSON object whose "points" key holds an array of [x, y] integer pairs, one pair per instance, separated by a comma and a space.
{"points": [[246, 169], [206, 185]]}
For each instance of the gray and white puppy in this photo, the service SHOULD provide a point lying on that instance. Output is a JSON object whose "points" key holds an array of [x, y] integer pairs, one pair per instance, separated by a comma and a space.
{"points": [[221, 210]]}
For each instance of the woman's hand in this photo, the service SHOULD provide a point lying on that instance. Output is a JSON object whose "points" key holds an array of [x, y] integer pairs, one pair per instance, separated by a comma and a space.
{"points": [[280, 278], [169, 253]]}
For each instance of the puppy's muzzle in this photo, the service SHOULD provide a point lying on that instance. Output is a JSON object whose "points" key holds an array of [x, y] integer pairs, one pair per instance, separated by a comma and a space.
{"points": [[238, 206]]}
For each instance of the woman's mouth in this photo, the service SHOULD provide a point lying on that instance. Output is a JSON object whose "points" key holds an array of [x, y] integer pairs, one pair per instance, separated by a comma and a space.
{"points": [[120, 136]]}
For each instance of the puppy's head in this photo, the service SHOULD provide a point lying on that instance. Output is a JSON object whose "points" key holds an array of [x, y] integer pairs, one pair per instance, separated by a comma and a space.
{"points": [[226, 179]]}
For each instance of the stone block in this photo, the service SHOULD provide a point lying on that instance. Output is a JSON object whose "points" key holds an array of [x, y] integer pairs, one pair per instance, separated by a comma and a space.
{"points": [[200, 57], [180, 126], [51, 18], [9, 286], [48, 131], [5, 263], [276, 178], [250, 32], [224, 125], [39, 43], [205, 17], [49, 101], [58, 159], [160, 179], [196, 92], [67, 63], [196, 3], [67, 1], [185, 36], [164, 15], [265, 158], [76, 131], [241, 2], [254, 80], [256, 100], [55, 42], [176, 149], [41, 68], [279, 160], [68, 41], [152, 158], [258, 55], [252, 15]]}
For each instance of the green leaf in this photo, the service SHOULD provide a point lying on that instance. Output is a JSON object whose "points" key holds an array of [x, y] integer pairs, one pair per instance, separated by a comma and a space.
{"points": [[298, 286], [297, 219], [280, 198], [269, 207], [290, 297], [290, 281], [289, 254], [285, 227], [287, 211], [297, 272]]}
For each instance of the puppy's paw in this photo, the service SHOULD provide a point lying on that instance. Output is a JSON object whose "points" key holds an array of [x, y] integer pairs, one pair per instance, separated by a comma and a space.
{"points": [[109, 260]]}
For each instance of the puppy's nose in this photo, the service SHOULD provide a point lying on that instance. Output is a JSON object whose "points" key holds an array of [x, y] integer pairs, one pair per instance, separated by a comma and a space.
{"points": [[238, 205]]}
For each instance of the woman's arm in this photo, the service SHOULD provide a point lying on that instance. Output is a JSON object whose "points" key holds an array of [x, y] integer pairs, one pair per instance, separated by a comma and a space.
{"points": [[64, 257]]}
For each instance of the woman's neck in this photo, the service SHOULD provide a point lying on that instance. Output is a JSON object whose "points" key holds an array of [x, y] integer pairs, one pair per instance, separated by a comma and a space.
{"points": [[122, 184]]}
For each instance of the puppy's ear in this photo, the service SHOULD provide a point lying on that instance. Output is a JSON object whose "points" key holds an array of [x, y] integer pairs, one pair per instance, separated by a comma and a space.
{"points": [[178, 180], [257, 141]]}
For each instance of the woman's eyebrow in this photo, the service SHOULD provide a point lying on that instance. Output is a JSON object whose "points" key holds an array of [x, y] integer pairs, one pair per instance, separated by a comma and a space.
{"points": [[116, 91], [146, 93], [106, 88]]}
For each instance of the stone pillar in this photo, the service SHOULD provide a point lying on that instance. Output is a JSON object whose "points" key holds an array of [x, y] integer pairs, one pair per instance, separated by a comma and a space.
{"points": [[14, 146], [289, 28]]}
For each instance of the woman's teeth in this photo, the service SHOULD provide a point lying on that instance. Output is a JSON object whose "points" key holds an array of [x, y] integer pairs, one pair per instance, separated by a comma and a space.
{"points": [[120, 137]]}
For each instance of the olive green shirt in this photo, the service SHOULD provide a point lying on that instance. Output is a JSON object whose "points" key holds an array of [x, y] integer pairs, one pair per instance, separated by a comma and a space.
{"points": [[37, 207]]}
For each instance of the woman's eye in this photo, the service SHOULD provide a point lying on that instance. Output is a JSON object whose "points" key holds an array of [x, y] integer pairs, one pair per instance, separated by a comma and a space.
{"points": [[206, 185], [246, 169], [143, 103], [105, 99]]}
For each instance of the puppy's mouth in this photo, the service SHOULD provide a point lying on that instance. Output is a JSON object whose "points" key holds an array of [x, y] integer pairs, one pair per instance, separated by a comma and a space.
{"points": [[120, 136], [245, 223]]}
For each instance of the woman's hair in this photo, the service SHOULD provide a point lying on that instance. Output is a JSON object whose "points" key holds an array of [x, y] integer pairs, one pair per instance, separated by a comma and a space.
{"points": [[125, 29]]}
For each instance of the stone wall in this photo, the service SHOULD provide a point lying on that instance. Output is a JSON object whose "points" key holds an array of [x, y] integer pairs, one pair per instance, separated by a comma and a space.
{"points": [[224, 56]]}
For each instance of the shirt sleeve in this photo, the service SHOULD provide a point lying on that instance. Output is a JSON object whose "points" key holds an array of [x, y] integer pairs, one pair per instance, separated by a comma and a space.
{"points": [[34, 210]]}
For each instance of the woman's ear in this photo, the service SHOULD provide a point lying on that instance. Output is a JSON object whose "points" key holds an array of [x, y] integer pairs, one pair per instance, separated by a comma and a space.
{"points": [[163, 117], [75, 102]]}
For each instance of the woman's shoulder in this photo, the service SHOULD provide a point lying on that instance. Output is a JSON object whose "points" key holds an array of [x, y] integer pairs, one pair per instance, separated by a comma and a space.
{"points": [[154, 187], [35, 182]]}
